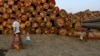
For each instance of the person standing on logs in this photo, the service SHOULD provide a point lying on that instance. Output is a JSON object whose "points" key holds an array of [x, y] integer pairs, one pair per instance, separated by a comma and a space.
{"points": [[16, 33]]}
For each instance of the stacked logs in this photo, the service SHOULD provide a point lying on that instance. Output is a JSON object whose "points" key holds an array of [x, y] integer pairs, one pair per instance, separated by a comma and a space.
{"points": [[41, 17]]}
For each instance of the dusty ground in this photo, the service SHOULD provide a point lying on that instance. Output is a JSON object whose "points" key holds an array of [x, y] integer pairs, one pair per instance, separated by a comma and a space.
{"points": [[52, 45]]}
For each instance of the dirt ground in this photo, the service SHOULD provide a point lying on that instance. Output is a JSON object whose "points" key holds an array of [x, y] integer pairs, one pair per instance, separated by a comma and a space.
{"points": [[52, 45]]}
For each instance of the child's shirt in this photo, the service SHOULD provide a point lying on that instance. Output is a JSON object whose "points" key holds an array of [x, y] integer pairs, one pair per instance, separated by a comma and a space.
{"points": [[28, 39]]}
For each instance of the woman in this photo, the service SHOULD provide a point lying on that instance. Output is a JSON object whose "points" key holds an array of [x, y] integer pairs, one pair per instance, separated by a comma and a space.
{"points": [[16, 32]]}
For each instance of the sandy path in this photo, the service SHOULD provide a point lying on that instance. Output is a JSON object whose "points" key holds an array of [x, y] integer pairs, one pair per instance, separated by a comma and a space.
{"points": [[53, 45]]}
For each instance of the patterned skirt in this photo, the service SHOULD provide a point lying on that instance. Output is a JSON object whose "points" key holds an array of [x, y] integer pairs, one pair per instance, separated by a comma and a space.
{"points": [[17, 44]]}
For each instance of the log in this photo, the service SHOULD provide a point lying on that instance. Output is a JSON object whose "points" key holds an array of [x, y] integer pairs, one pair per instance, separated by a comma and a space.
{"points": [[9, 10], [28, 23], [91, 20], [59, 22], [10, 2], [35, 25], [22, 25], [23, 18], [21, 0], [78, 26], [34, 13], [1, 27], [46, 31], [38, 31], [32, 31], [10, 31], [5, 15], [34, 2], [27, 3], [9, 26], [63, 31], [43, 14], [42, 25], [92, 35], [1, 18], [9, 21], [18, 13], [5, 31], [20, 4], [14, 8], [19, 20], [28, 14], [22, 10], [68, 25], [4, 23], [53, 30], [39, 8], [46, 19], [6, 5], [38, 2], [53, 16], [48, 25], [91, 25], [45, 5], [2, 10], [63, 13], [23, 31], [71, 32], [49, 11], [30, 9], [38, 18], [56, 10], [13, 15], [1, 2], [31, 19], [52, 3], [43, 1]]}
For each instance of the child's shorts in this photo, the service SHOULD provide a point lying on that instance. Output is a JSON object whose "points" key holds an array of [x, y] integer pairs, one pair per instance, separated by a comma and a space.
{"points": [[27, 41]]}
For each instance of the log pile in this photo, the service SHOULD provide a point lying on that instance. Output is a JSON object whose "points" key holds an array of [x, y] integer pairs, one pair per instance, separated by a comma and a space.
{"points": [[41, 17]]}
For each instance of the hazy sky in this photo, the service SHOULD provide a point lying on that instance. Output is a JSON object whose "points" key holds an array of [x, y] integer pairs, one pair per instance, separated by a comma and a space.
{"points": [[78, 5]]}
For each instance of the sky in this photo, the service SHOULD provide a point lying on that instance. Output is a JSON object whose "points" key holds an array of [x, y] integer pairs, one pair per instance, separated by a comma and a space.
{"points": [[73, 6]]}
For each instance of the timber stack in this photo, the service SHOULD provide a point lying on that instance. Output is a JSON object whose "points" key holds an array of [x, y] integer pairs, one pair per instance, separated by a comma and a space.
{"points": [[41, 17]]}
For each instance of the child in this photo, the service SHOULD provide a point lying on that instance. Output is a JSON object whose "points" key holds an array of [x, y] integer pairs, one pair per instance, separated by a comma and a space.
{"points": [[28, 38], [81, 36]]}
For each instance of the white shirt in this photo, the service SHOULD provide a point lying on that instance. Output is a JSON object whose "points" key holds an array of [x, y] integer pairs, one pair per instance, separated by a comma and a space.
{"points": [[17, 26], [28, 38]]}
